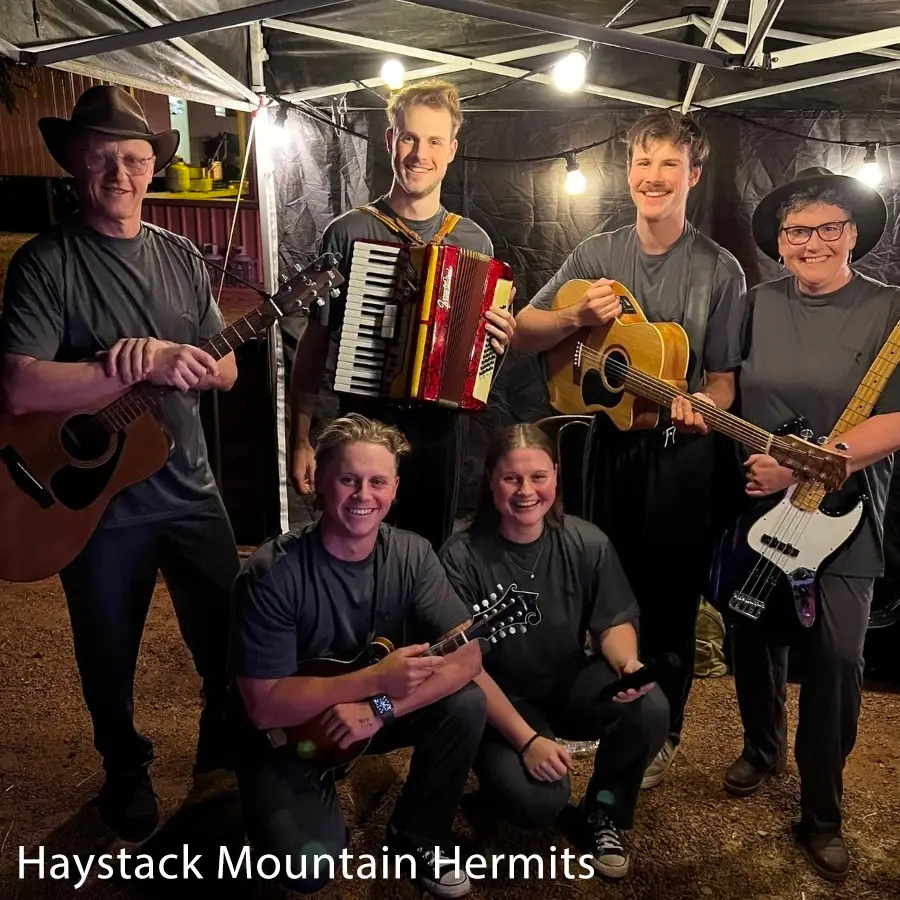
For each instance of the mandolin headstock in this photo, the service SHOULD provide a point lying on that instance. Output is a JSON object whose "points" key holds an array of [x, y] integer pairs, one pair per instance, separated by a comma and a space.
{"points": [[504, 612]]}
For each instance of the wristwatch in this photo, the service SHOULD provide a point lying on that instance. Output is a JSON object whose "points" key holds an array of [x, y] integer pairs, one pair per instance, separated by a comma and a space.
{"points": [[382, 707]]}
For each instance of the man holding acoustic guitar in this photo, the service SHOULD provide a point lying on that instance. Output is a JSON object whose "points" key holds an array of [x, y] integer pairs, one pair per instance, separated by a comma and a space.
{"points": [[309, 607], [90, 309], [650, 491]]}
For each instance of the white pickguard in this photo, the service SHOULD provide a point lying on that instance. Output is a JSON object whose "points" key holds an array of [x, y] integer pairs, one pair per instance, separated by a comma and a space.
{"points": [[811, 536]]}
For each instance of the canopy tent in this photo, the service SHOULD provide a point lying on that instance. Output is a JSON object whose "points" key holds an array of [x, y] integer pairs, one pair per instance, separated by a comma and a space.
{"points": [[804, 61]]}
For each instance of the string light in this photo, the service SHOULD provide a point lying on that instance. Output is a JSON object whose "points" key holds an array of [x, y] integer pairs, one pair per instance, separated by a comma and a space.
{"points": [[393, 74], [569, 72], [575, 180], [870, 171]]}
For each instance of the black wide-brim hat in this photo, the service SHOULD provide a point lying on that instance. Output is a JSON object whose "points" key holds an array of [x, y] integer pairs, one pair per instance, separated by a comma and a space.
{"points": [[866, 206], [108, 110]]}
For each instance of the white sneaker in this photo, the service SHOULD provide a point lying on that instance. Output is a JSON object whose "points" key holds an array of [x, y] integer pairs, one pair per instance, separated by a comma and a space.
{"points": [[657, 769]]}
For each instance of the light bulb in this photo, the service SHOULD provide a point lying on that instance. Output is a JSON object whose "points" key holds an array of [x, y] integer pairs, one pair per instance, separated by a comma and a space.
{"points": [[568, 73], [393, 74], [870, 172], [575, 182]]}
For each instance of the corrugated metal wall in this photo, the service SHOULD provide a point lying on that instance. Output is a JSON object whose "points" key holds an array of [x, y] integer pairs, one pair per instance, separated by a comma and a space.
{"points": [[22, 149], [209, 223]]}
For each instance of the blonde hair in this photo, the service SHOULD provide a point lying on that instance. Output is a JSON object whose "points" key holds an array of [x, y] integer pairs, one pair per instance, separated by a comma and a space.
{"points": [[668, 125], [356, 429], [433, 93]]}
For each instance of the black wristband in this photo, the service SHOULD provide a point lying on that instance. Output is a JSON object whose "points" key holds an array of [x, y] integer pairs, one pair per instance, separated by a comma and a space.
{"points": [[528, 743]]}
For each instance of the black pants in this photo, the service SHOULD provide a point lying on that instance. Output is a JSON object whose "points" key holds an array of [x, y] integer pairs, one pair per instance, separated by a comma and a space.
{"points": [[291, 812], [651, 493], [108, 589], [831, 667], [630, 735], [429, 474]]}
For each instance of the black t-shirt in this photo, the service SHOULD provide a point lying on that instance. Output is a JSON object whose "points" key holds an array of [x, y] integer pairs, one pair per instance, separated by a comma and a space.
{"points": [[581, 588], [294, 601], [73, 292]]}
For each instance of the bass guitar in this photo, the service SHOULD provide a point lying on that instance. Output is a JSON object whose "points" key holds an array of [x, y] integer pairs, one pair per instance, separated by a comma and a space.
{"points": [[630, 368], [59, 471], [505, 614], [768, 561]]}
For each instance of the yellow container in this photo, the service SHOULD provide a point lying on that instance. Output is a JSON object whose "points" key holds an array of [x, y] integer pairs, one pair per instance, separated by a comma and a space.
{"points": [[201, 184], [178, 176]]}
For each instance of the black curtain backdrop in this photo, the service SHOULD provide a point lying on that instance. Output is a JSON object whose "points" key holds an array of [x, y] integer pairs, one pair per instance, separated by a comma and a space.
{"points": [[322, 171]]}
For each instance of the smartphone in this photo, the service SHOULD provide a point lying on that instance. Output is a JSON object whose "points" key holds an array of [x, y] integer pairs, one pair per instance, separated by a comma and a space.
{"points": [[648, 673]]}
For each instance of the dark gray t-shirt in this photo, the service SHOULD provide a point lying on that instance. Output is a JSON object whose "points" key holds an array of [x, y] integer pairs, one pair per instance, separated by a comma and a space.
{"points": [[581, 588], [806, 356], [72, 292], [661, 284], [355, 225], [294, 601]]}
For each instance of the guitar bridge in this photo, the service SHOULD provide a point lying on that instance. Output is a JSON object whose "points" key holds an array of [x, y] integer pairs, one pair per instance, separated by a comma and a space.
{"points": [[747, 605]]}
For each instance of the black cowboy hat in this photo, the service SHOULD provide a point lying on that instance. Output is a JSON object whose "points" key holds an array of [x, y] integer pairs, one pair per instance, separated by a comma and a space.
{"points": [[866, 206], [106, 109]]}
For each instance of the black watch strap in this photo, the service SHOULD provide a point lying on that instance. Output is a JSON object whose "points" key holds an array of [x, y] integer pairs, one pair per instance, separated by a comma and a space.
{"points": [[382, 707]]}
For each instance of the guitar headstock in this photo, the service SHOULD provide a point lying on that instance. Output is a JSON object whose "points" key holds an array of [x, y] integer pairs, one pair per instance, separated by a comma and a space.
{"points": [[812, 462], [307, 289], [504, 612]]}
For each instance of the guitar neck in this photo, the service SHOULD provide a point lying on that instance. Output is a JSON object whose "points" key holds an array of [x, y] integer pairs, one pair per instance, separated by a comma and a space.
{"points": [[720, 420], [145, 396], [448, 645], [871, 387]]}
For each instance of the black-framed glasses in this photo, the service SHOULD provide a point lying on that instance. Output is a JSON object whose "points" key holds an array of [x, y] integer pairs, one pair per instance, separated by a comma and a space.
{"points": [[97, 161], [829, 231]]}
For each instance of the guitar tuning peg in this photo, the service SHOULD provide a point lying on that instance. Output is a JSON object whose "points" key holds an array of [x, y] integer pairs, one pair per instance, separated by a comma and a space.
{"points": [[335, 292], [493, 596], [806, 434], [523, 628], [512, 629], [298, 267], [494, 639], [477, 607], [284, 278], [841, 446], [320, 301]]}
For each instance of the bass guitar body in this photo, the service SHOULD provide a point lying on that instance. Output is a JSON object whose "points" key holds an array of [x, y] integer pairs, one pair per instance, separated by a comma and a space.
{"points": [[58, 473], [766, 564], [659, 349]]}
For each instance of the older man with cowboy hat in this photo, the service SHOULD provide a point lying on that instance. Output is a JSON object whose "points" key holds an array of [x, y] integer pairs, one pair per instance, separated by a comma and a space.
{"points": [[810, 338], [92, 307]]}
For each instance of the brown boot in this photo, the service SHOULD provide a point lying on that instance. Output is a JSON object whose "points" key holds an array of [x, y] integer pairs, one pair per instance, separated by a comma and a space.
{"points": [[827, 852], [743, 778]]}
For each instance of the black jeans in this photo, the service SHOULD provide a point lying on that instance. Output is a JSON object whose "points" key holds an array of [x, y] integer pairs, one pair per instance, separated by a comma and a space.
{"points": [[630, 735], [831, 667], [429, 475], [293, 813], [108, 589], [651, 493]]}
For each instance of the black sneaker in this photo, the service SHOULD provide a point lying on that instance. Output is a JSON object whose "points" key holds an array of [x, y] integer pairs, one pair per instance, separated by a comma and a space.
{"points": [[441, 878], [597, 837], [127, 804]]}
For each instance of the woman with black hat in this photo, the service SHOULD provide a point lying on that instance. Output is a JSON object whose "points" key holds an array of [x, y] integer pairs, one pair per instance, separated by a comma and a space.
{"points": [[810, 337]]}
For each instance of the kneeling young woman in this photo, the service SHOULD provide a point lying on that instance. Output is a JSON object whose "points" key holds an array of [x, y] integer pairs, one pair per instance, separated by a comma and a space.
{"points": [[543, 684]]}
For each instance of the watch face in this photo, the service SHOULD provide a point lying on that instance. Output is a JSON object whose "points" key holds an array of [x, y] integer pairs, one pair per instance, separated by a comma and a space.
{"points": [[382, 705]]}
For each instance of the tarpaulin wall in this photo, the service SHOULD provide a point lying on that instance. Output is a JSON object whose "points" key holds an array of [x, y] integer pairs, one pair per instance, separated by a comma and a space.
{"points": [[322, 171]]}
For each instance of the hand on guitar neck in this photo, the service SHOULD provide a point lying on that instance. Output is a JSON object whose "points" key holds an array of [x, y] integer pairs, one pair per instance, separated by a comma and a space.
{"points": [[599, 305], [163, 363]]}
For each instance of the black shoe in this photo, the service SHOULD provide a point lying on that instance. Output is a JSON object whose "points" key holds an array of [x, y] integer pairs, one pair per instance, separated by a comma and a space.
{"points": [[127, 804], [442, 878], [597, 838]]}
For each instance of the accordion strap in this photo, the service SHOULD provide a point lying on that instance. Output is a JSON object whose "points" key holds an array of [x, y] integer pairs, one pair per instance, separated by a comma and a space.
{"points": [[398, 227]]}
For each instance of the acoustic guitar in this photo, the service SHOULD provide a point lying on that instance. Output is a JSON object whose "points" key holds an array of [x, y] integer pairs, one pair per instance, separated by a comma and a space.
{"points": [[498, 617], [767, 563], [59, 471], [630, 368]]}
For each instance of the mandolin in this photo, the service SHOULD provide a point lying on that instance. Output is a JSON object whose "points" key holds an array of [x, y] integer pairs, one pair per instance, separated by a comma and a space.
{"points": [[498, 617], [60, 470], [630, 368]]}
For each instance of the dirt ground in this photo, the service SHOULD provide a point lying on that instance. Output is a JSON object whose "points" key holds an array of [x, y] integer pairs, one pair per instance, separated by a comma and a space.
{"points": [[691, 840]]}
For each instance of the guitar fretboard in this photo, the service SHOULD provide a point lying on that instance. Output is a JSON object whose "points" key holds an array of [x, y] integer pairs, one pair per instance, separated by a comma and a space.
{"points": [[133, 404], [809, 495], [448, 645]]}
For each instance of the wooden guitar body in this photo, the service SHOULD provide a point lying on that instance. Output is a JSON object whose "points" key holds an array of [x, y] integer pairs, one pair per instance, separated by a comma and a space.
{"points": [[658, 349], [54, 487]]}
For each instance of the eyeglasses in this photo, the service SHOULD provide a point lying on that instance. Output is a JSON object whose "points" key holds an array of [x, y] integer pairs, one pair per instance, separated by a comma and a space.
{"points": [[95, 161], [800, 234]]}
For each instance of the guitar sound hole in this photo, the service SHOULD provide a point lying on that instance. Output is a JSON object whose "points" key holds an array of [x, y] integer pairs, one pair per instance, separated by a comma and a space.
{"points": [[84, 439], [605, 389]]}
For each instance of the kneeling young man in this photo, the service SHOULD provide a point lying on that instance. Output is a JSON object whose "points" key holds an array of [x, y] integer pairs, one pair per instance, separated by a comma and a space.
{"points": [[326, 591]]}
